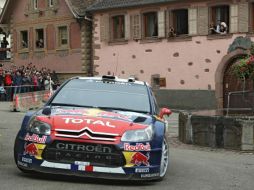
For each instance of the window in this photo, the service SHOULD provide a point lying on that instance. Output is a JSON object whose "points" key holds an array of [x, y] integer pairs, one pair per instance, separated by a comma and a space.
{"points": [[51, 3], [39, 38], [35, 4], [24, 39], [150, 21], [118, 27], [180, 21], [62, 36], [219, 17]]}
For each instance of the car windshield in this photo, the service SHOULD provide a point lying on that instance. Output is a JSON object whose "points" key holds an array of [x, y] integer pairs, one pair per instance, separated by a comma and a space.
{"points": [[105, 95]]}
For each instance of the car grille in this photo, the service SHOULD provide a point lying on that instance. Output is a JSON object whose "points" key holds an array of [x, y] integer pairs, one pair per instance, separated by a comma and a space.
{"points": [[86, 132], [95, 154]]}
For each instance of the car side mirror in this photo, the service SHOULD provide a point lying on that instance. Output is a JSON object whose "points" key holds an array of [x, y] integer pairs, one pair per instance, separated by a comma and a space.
{"points": [[46, 111], [165, 111]]}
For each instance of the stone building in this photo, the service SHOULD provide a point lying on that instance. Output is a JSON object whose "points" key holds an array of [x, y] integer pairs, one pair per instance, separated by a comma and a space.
{"points": [[169, 43], [49, 33]]}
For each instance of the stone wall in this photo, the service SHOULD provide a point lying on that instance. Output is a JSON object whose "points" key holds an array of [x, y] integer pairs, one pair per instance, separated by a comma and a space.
{"points": [[186, 99], [217, 131]]}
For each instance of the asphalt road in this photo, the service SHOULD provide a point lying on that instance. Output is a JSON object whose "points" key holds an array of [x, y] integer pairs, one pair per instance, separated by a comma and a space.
{"points": [[191, 168]]}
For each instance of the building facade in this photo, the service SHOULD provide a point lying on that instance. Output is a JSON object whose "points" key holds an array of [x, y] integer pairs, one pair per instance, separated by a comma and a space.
{"points": [[174, 45], [49, 33]]}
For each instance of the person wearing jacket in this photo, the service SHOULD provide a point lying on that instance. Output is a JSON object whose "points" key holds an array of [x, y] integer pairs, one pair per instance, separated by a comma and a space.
{"points": [[17, 82], [8, 83]]}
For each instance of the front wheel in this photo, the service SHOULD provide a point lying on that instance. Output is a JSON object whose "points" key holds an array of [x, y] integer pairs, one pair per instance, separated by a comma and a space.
{"points": [[164, 159]]}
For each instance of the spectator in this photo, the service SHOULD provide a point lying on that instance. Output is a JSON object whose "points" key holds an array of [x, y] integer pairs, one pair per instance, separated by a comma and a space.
{"points": [[1, 74], [2, 91], [7, 84], [25, 79], [55, 80], [17, 82]]}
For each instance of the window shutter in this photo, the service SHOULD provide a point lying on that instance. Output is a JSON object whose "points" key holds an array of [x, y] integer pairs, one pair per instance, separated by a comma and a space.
{"points": [[233, 18], [136, 27], [104, 28], [192, 17], [203, 20], [167, 24], [127, 26], [161, 24], [243, 17]]}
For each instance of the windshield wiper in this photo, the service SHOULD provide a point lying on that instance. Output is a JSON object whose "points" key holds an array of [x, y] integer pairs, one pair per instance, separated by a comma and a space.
{"points": [[122, 109], [70, 105]]}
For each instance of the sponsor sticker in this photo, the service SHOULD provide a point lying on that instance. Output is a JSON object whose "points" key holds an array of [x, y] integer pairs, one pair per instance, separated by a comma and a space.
{"points": [[82, 163], [142, 170], [34, 150], [22, 164], [35, 138], [27, 160], [150, 175], [137, 147], [139, 159], [88, 121]]}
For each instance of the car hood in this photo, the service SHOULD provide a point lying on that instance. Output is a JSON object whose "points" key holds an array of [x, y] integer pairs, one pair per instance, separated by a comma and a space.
{"points": [[94, 124]]}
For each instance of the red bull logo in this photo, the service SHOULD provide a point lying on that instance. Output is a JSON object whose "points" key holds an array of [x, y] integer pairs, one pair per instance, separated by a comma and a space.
{"points": [[139, 159], [31, 149]]}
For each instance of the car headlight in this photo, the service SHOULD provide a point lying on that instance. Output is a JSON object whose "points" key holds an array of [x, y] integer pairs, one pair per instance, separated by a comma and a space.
{"points": [[39, 127], [138, 135]]}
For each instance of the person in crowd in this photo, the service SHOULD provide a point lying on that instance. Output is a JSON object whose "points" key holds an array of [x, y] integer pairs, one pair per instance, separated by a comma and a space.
{"points": [[172, 32], [2, 91], [8, 83], [1, 74], [55, 80], [17, 82], [26, 82], [26, 79], [221, 28]]}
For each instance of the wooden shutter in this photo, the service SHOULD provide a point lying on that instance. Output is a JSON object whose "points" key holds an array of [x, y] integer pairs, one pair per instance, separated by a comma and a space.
{"points": [[203, 20], [243, 17], [233, 18], [192, 17], [127, 26], [104, 28], [136, 26], [161, 24]]}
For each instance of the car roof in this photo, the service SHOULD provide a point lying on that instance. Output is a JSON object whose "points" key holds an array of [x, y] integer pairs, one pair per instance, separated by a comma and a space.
{"points": [[114, 79]]}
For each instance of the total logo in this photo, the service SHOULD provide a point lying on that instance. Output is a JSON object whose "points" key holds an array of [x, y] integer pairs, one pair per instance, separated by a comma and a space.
{"points": [[88, 121], [137, 147]]}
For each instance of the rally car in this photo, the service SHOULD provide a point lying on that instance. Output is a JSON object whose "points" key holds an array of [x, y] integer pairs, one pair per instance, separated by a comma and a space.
{"points": [[101, 127]]}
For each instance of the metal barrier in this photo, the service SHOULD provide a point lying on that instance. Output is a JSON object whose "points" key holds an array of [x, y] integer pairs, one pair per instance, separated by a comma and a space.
{"points": [[240, 102], [30, 100], [7, 93]]}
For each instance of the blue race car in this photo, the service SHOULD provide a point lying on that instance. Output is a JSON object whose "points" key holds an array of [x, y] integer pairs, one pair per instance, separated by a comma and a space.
{"points": [[101, 127]]}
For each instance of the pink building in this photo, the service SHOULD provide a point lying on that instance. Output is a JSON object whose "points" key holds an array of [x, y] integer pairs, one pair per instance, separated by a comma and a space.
{"points": [[169, 43], [49, 33]]}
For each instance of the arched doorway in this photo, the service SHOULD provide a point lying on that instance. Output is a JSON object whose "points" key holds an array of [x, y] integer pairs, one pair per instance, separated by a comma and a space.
{"points": [[233, 95], [223, 77]]}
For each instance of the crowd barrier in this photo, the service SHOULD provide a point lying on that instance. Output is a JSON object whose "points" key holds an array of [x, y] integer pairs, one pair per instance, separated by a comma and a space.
{"points": [[29, 101]]}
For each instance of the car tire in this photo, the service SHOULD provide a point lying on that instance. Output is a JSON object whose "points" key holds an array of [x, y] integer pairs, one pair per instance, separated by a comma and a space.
{"points": [[164, 159]]}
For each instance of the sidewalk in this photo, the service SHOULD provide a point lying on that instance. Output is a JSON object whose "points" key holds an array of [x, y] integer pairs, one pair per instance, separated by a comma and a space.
{"points": [[5, 106]]}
